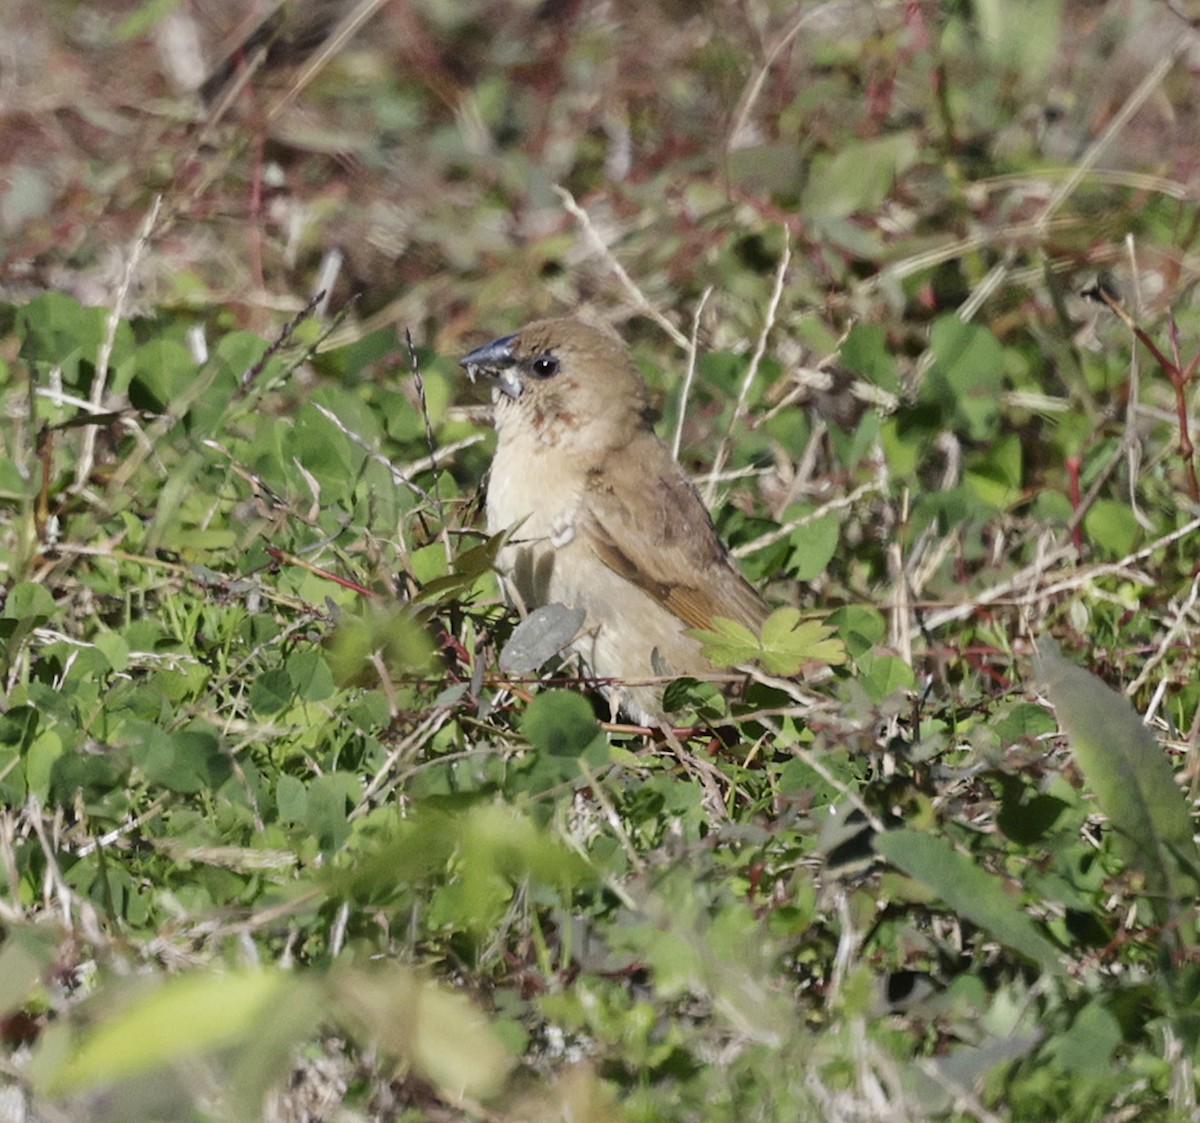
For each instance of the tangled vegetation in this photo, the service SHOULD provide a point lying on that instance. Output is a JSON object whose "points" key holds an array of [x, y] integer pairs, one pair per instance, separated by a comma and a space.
{"points": [[281, 839]]}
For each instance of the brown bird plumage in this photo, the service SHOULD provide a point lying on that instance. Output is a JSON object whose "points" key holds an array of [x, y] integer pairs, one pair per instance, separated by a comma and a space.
{"points": [[606, 520]]}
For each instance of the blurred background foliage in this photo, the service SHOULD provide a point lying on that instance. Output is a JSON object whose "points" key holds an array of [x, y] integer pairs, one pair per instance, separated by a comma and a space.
{"points": [[276, 828]]}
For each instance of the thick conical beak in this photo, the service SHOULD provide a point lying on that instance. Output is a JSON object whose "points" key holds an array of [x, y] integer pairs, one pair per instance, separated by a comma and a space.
{"points": [[496, 361]]}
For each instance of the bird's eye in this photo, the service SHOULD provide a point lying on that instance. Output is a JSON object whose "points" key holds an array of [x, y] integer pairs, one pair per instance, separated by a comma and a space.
{"points": [[545, 366]]}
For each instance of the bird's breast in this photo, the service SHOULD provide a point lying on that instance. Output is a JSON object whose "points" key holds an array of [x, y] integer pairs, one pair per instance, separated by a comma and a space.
{"points": [[531, 486]]}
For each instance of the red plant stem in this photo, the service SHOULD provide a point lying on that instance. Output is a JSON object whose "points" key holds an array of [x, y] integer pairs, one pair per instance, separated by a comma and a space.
{"points": [[1176, 375], [1073, 465], [284, 558]]}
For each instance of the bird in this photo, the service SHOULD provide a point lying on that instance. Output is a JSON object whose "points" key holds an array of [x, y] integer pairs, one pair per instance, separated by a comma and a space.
{"points": [[601, 515]]}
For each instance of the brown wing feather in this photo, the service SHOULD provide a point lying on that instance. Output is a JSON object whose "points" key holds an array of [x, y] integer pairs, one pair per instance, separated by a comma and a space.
{"points": [[645, 520]]}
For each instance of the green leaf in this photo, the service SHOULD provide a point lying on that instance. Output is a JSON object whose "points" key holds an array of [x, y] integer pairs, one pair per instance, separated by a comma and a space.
{"points": [[968, 890], [291, 799], [966, 378], [163, 373], [560, 723], [1112, 526], [327, 807], [1025, 817], [1089, 1044], [996, 478], [786, 644], [28, 952], [28, 600], [865, 351], [857, 177], [310, 675], [271, 692], [184, 760], [59, 332], [883, 675], [812, 547], [181, 1017], [1127, 769], [861, 628], [789, 642], [40, 758], [114, 648], [727, 643], [1024, 720]]}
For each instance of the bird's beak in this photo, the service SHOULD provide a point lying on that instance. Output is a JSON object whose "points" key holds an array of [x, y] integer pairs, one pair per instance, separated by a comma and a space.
{"points": [[497, 361]]}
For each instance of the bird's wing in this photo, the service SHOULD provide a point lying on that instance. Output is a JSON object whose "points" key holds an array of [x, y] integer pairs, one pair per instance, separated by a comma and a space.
{"points": [[644, 519]]}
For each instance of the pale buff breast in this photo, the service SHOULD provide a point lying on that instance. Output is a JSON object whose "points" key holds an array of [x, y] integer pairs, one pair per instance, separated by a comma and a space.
{"points": [[626, 634]]}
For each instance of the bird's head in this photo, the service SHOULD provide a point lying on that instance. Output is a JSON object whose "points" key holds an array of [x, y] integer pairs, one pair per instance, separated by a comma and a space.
{"points": [[566, 381]]}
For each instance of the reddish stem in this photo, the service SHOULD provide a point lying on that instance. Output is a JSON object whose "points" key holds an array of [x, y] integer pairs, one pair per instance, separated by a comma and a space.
{"points": [[1073, 465]]}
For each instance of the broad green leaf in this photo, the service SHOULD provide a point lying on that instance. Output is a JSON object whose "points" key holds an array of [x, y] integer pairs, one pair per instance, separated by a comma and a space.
{"points": [[291, 799], [1025, 816], [28, 600], [861, 628], [310, 675], [183, 760], [1024, 720], [968, 890], [115, 649], [1090, 1042], [996, 478], [163, 372], [882, 675], [327, 807], [727, 643], [570, 744], [271, 691], [40, 758], [1127, 769], [812, 547], [178, 1018], [789, 642], [857, 177], [1112, 526], [967, 375], [865, 351], [57, 331]]}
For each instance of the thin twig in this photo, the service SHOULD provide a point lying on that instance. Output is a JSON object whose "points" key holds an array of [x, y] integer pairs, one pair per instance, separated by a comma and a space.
{"points": [[87, 449], [772, 536], [754, 87], [430, 441], [689, 374], [1029, 580], [336, 40], [1041, 223], [640, 300], [760, 349], [378, 457], [1184, 620]]}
